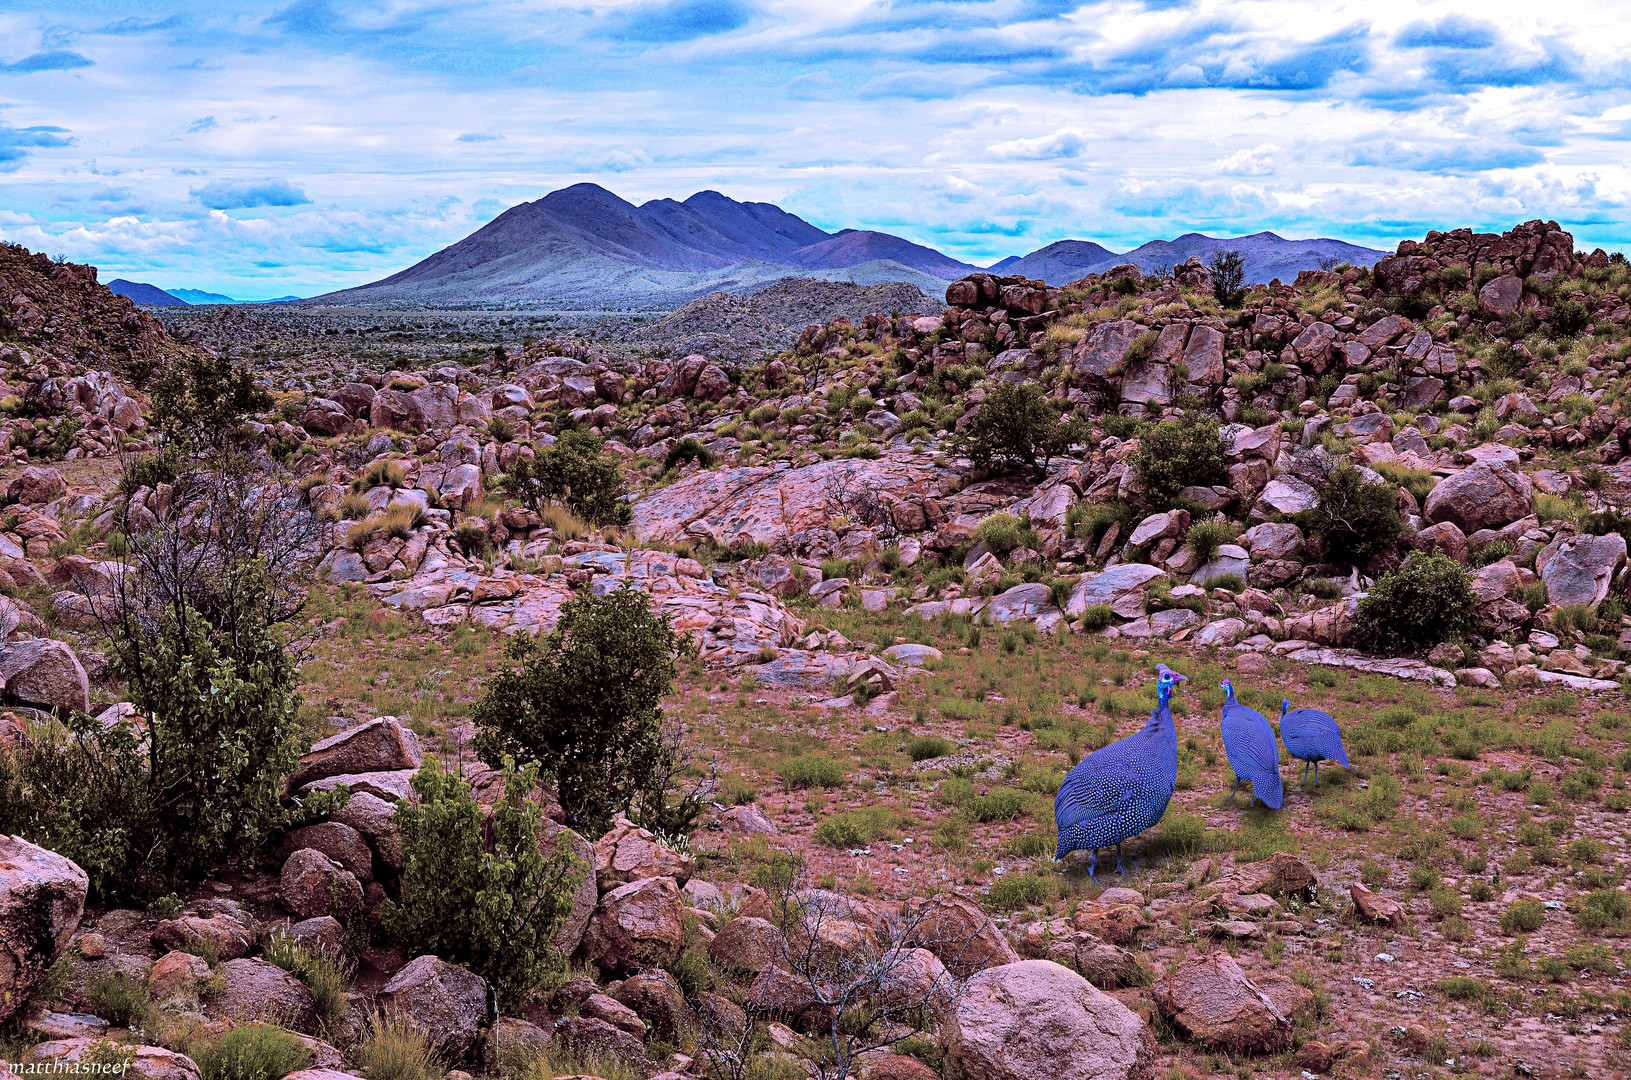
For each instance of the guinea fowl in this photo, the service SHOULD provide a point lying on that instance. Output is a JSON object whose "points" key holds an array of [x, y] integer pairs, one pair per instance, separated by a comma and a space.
{"points": [[1249, 743], [1119, 791], [1312, 736]]}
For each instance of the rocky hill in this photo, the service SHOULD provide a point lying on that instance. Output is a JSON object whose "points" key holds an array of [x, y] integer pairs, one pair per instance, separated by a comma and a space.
{"points": [[928, 562], [1266, 256]]}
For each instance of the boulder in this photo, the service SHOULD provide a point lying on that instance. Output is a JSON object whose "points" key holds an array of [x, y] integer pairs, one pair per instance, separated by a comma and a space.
{"points": [[176, 976], [584, 898], [446, 1001], [657, 998], [42, 896], [629, 853], [1230, 559], [747, 821], [1110, 586], [1033, 1019], [1274, 540], [959, 932], [253, 990], [1481, 496], [76, 1055], [1443, 537], [323, 934], [1580, 569], [615, 1013], [1377, 908], [374, 819], [1022, 602], [747, 944], [380, 745], [338, 841], [1501, 296], [35, 486], [45, 672], [1285, 495], [312, 884], [1209, 999], [588, 1037], [222, 934], [641, 924]]}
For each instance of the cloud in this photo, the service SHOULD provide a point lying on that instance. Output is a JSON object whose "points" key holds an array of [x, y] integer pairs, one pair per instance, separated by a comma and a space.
{"points": [[1258, 161], [137, 25], [681, 20], [57, 60], [476, 136], [244, 194], [1455, 158], [1061, 144], [1454, 32], [15, 143], [202, 124]]}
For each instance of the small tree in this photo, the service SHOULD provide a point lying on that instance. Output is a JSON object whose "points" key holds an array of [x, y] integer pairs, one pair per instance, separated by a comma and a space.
{"points": [[200, 398], [482, 891], [1426, 601], [1176, 454], [1358, 519], [1228, 277], [1016, 426], [584, 703], [575, 474]]}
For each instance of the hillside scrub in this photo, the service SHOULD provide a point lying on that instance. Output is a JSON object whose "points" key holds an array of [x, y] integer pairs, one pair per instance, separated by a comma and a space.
{"points": [[1015, 427]]}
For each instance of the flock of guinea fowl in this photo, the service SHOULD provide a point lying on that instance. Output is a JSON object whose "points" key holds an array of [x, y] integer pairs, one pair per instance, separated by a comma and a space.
{"points": [[1117, 792]]}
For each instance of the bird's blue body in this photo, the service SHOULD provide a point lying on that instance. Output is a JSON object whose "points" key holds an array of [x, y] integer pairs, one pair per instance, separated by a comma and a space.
{"points": [[1311, 736], [1117, 792], [1253, 752]]}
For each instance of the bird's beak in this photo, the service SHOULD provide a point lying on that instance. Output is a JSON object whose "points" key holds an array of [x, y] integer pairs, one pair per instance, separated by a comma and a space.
{"points": [[1182, 678]]}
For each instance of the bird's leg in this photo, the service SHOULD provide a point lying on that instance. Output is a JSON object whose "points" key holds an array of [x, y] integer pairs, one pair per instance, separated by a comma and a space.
{"points": [[1316, 775], [1231, 797], [1304, 780], [1119, 870], [1094, 865]]}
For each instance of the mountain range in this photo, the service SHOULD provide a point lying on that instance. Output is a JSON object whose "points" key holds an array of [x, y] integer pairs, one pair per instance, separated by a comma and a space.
{"points": [[141, 292]]}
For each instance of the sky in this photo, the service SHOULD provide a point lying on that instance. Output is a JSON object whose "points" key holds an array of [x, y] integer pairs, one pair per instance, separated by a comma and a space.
{"points": [[267, 149]]}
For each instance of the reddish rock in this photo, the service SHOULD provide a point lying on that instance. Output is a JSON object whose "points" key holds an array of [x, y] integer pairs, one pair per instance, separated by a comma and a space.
{"points": [[1210, 999], [380, 745], [45, 672], [146, 1062], [747, 944], [36, 485], [899, 1067], [1119, 924], [960, 933], [225, 936], [253, 990], [1482, 496], [588, 1037], [1035, 1019], [1377, 908], [313, 884], [641, 924], [42, 896], [177, 975], [340, 842], [374, 818], [629, 853], [656, 997], [445, 1000]]}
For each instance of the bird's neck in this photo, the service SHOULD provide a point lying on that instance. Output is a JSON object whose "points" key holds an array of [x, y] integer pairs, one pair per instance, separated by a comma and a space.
{"points": [[1160, 717]]}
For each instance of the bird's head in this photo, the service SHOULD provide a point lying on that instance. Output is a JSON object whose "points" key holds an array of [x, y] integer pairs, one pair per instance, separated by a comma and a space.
{"points": [[1228, 687], [1285, 706], [1167, 681]]}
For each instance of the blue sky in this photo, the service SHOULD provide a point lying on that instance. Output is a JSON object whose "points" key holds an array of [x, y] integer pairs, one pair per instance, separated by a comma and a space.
{"points": [[261, 149]]}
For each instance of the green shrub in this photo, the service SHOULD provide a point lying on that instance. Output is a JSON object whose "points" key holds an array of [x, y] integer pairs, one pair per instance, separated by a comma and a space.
{"points": [[585, 703], [1015, 891], [1525, 916], [1569, 318], [575, 474], [151, 470], [1096, 617], [812, 771], [1002, 804], [925, 747], [1175, 454], [1002, 533], [1205, 537], [1017, 426], [1092, 520], [1426, 601], [854, 829], [687, 449], [1355, 518], [253, 1052], [1227, 582], [480, 890]]}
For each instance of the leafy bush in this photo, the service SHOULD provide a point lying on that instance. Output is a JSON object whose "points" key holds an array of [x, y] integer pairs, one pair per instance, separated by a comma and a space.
{"points": [[1569, 318], [253, 1052], [1015, 891], [1017, 426], [812, 771], [1002, 533], [480, 891], [577, 475], [1228, 276], [1175, 454], [585, 703], [1093, 519], [141, 810], [1096, 617], [925, 747], [201, 399], [1427, 600], [1525, 916], [687, 449], [151, 470], [1356, 519]]}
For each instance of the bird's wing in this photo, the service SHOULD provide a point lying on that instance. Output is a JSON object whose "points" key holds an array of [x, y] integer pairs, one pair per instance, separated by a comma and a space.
{"points": [[1092, 793], [1248, 736]]}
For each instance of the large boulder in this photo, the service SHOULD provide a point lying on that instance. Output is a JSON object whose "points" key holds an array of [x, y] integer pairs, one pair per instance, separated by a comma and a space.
{"points": [[312, 884], [380, 745], [338, 841], [42, 896], [629, 853], [1481, 496], [1501, 296], [1210, 1000], [747, 944], [1035, 1019], [220, 933], [77, 1055], [45, 672], [374, 819], [1112, 585], [253, 990], [657, 998], [959, 932], [641, 924], [1580, 569], [34, 486], [444, 1000]]}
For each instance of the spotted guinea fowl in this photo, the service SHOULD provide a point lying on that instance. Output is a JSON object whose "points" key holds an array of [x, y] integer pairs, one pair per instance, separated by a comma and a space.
{"points": [[1248, 740], [1312, 736], [1118, 791]]}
